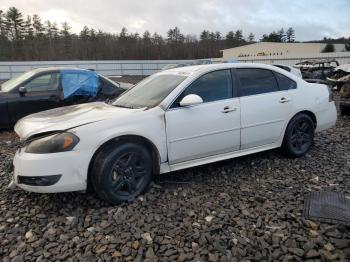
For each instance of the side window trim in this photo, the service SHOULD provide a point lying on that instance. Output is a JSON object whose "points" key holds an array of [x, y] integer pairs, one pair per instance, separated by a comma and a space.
{"points": [[234, 90]]}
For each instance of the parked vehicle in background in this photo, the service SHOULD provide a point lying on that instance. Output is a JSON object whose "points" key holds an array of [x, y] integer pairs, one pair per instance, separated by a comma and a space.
{"points": [[317, 69], [172, 120], [46, 88], [290, 69], [340, 81], [344, 103], [340, 76]]}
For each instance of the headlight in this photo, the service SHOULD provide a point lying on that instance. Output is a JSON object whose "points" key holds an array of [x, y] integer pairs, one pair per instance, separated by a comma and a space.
{"points": [[61, 142]]}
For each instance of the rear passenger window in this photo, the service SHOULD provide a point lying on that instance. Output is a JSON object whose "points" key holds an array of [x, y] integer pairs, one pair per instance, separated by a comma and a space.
{"points": [[285, 83], [256, 81]]}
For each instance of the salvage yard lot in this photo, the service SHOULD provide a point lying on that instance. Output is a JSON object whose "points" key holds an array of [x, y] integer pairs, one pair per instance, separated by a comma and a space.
{"points": [[247, 208]]}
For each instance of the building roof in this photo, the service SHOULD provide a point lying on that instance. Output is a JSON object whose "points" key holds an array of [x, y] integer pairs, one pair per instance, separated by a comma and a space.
{"points": [[280, 44]]}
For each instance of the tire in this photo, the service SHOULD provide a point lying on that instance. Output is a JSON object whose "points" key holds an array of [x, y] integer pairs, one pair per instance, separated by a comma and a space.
{"points": [[121, 172], [299, 136]]}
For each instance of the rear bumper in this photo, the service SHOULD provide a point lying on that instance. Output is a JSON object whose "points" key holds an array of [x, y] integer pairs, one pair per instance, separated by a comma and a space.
{"points": [[326, 118]]}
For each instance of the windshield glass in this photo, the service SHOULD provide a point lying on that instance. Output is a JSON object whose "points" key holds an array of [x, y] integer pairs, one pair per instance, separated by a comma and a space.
{"points": [[12, 83], [149, 92]]}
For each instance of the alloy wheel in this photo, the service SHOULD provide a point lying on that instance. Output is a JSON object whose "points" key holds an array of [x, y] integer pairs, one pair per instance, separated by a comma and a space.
{"points": [[128, 173], [301, 136]]}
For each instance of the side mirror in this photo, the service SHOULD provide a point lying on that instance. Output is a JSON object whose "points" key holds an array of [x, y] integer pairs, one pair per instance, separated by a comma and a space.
{"points": [[22, 90], [191, 100]]}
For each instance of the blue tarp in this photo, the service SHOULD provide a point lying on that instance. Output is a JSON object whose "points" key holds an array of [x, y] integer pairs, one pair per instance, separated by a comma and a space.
{"points": [[79, 83]]}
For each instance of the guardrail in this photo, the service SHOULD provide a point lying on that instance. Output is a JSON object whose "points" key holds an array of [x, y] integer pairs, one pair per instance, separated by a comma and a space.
{"points": [[148, 67], [108, 68]]}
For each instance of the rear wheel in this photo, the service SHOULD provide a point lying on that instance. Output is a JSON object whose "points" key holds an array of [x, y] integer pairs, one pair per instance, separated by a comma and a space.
{"points": [[299, 136], [121, 173]]}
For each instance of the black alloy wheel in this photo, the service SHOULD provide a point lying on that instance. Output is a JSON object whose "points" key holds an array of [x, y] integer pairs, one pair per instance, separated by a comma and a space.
{"points": [[128, 173], [299, 136], [122, 172]]}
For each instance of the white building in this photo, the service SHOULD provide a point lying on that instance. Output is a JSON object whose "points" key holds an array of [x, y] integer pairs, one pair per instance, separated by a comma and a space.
{"points": [[277, 50]]}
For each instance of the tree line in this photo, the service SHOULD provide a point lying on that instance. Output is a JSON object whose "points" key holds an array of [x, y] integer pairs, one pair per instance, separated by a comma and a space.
{"points": [[30, 38]]}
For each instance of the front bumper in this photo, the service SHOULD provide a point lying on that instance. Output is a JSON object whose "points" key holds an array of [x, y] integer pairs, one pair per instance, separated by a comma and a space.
{"points": [[50, 173]]}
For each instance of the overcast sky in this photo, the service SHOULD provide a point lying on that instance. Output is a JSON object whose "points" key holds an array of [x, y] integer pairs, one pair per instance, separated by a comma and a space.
{"points": [[311, 19]]}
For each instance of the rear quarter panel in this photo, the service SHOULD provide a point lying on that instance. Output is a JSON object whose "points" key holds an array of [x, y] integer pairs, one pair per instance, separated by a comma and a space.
{"points": [[314, 98]]}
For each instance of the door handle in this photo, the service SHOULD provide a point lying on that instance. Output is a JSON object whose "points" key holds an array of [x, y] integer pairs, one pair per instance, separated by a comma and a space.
{"points": [[284, 100], [228, 109]]}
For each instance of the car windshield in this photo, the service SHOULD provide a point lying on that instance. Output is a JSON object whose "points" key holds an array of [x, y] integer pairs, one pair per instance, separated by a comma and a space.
{"points": [[12, 83], [149, 92]]}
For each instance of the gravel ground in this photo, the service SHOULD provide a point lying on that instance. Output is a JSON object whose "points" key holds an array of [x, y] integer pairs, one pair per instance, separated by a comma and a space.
{"points": [[245, 209]]}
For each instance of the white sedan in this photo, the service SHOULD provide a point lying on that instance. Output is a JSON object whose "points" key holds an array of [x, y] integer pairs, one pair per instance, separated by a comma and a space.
{"points": [[172, 120]]}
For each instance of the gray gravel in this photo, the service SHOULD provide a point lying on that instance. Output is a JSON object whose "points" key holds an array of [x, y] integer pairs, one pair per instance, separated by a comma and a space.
{"points": [[245, 209]]}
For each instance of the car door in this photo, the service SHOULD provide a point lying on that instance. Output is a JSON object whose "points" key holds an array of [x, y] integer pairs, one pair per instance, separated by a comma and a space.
{"points": [[42, 93], [206, 129], [265, 107]]}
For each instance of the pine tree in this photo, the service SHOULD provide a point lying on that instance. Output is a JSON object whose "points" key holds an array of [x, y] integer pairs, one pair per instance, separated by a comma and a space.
{"points": [[67, 40], [217, 35], [146, 36], [251, 38], [14, 22], [3, 25], [28, 28], [239, 35], [204, 35], [38, 26], [281, 35], [290, 35]]}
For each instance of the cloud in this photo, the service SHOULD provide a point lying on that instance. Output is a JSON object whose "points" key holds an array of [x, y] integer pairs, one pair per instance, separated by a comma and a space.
{"points": [[311, 19]]}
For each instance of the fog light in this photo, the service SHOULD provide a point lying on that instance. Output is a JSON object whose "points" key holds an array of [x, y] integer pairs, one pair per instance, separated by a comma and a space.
{"points": [[38, 180]]}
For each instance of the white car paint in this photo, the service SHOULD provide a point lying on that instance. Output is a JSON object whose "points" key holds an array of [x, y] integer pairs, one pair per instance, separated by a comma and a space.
{"points": [[291, 69], [183, 137]]}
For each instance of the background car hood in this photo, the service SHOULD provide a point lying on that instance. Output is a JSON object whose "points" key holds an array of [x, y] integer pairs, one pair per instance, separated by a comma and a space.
{"points": [[64, 118]]}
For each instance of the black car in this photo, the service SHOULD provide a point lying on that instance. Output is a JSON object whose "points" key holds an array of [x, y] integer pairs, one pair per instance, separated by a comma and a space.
{"points": [[47, 88]]}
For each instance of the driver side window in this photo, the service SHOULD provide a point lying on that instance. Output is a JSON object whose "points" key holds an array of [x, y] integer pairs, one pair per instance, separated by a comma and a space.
{"points": [[213, 86], [47, 82]]}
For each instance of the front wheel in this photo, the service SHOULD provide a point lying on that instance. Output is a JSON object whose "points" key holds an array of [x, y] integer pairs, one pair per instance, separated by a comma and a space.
{"points": [[122, 172], [299, 136]]}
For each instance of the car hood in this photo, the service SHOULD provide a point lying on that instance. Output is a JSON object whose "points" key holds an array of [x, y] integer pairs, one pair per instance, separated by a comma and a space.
{"points": [[64, 118]]}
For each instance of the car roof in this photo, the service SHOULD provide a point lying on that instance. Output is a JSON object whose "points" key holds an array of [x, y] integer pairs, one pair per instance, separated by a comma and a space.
{"points": [[188, 70], [52, 68]]}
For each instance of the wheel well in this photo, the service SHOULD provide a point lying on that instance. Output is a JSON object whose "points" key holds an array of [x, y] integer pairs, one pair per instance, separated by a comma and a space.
{"points": [[311, 115], [122, 139]]}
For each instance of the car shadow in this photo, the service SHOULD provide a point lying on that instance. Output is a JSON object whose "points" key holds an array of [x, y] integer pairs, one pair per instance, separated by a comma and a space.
{"points": [[73, 202]]}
